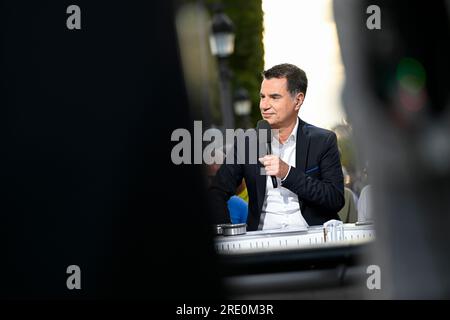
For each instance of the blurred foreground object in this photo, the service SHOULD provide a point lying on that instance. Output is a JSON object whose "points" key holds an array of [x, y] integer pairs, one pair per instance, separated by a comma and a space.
{"points": [[87, 118], [397, 98]]}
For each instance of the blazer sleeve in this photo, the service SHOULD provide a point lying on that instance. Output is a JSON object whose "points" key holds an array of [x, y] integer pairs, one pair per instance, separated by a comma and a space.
{"points": [[222, 188], [326, 193]]}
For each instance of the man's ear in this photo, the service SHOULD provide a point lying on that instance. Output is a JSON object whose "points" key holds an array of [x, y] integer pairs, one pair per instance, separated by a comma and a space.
{"points": [[299, 100]]}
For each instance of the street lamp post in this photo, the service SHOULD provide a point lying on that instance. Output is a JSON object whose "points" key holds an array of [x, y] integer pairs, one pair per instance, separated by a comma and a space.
{"points": [[243, 106], [222, 46]]}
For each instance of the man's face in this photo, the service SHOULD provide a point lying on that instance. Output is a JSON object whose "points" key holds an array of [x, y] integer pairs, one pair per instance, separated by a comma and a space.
{"points": [[277, 105]]}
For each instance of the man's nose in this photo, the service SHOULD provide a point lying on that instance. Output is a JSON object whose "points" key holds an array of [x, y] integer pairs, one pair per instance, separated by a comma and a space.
{"points": [[264, 105]]}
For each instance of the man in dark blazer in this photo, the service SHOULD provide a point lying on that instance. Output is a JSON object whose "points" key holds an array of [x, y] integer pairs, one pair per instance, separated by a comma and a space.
{"points": [[305, 162]]}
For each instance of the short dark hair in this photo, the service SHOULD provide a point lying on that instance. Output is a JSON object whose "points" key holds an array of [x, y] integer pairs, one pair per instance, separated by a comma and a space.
{"points": [[296, 78]]}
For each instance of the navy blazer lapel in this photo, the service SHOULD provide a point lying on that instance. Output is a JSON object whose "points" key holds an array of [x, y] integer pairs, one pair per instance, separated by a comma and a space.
{"points": [[302, 149]]}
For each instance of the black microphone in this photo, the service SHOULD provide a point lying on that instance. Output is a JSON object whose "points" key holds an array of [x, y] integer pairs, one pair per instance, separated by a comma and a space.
{"points": [[263, 124]]}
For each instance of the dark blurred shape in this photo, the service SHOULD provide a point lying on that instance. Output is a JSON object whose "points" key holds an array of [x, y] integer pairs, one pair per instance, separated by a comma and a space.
{"points": [[397, 99], [86, 174]]}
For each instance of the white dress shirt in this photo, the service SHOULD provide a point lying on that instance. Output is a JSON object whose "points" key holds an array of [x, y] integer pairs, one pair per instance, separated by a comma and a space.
{"points": [[281, 208]]}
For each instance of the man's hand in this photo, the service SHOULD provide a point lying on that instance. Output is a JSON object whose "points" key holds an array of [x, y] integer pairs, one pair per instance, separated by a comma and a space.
{"points": [[274, 166]]}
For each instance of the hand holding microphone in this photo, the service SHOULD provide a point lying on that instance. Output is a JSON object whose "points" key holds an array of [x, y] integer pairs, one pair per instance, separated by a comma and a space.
{"points": [[274, 166]]}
